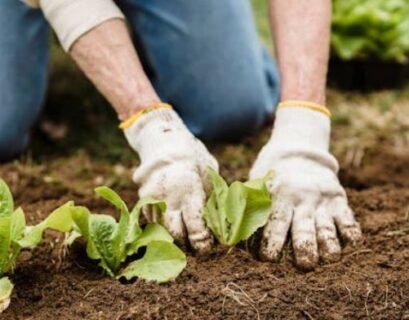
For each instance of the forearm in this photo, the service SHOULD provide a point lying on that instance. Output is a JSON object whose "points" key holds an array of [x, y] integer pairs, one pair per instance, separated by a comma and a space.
{"points": [[301, 34], [108, 58], [95, 34]]}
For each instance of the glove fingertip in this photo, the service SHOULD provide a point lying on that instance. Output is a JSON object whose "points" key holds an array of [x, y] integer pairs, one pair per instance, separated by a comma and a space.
{"points": [[173, 221], [269, 256], [204, 246], [306, 263], [269, 252], [306, 258], [329, 248], [351, 233]]}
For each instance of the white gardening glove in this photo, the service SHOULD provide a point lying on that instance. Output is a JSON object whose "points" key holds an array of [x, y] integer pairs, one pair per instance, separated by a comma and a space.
{"points": [[309, 199], [174, 168]]}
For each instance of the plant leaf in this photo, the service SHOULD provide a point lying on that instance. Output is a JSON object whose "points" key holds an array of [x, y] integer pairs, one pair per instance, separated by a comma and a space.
{"points": [[135, 230], [215, 209], [111, 242], [118, 244], [256, 214], [234, 213], [6, 209], [112, 197], [151, 232], [5, 238], [6, 200], [162, 262], [121, 231], [260, 184], [6, 287], [18, 225], [101, 231], [81, 216], [74, 235], [145, 201], [17, 229], [213, 219], [59, 220]]}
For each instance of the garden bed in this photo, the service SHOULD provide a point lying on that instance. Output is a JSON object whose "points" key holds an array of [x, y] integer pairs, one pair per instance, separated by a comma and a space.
{"points": [[371, 280]]}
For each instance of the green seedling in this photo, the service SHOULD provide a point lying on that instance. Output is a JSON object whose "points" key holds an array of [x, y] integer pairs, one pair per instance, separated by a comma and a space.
{"points": [[235, 212], [111, 241], [15, 236]]}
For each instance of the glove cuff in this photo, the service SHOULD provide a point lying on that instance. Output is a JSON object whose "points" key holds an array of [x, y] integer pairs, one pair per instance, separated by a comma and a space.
{"points": [[301, 132], [300, 128], [157, 133], [305, 104]]}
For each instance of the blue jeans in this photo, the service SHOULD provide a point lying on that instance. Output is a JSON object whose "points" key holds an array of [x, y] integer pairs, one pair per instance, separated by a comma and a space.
{"points": [[203, 57]]}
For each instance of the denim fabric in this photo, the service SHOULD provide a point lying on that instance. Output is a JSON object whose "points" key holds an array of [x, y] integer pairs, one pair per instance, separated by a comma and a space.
{"points": [[23, 74], [204, 57]]}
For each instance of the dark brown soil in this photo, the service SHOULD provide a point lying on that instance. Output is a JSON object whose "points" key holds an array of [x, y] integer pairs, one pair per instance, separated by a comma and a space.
{"points": [[370, 282]]}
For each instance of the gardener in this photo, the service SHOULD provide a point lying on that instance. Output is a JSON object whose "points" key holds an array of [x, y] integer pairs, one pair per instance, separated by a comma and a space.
{"points": [[204, 58]]}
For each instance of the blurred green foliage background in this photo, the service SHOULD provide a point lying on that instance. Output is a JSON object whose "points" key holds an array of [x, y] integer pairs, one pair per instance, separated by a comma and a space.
{"points": [[361, 29]]}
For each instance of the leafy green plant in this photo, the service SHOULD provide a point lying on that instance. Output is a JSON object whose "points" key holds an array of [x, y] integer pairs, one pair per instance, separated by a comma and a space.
{"points": [[370, 29], [235, 212], [15, 235], [111, 242], [6, 288]]}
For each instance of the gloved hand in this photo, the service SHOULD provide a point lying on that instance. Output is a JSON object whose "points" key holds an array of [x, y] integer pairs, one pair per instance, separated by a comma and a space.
{"points": [[174, 168], [308, 196]]}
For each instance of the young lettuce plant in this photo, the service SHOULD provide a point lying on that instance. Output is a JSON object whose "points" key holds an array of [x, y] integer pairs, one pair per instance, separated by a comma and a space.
{"points": [[235, 212], [15, 235], [111, 242]]}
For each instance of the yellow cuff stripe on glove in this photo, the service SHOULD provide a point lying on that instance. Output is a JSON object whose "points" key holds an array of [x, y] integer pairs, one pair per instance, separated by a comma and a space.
{"points": [[305, 104], [131, 120]]}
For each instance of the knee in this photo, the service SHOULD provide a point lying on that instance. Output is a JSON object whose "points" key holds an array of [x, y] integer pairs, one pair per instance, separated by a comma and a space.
{"points": [[237, 119], [16, 123], [12, 142], [231, 115]]}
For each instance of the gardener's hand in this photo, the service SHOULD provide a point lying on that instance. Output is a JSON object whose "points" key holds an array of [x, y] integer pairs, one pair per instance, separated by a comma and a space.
{"points": [[308, 196], [174, 168]]}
